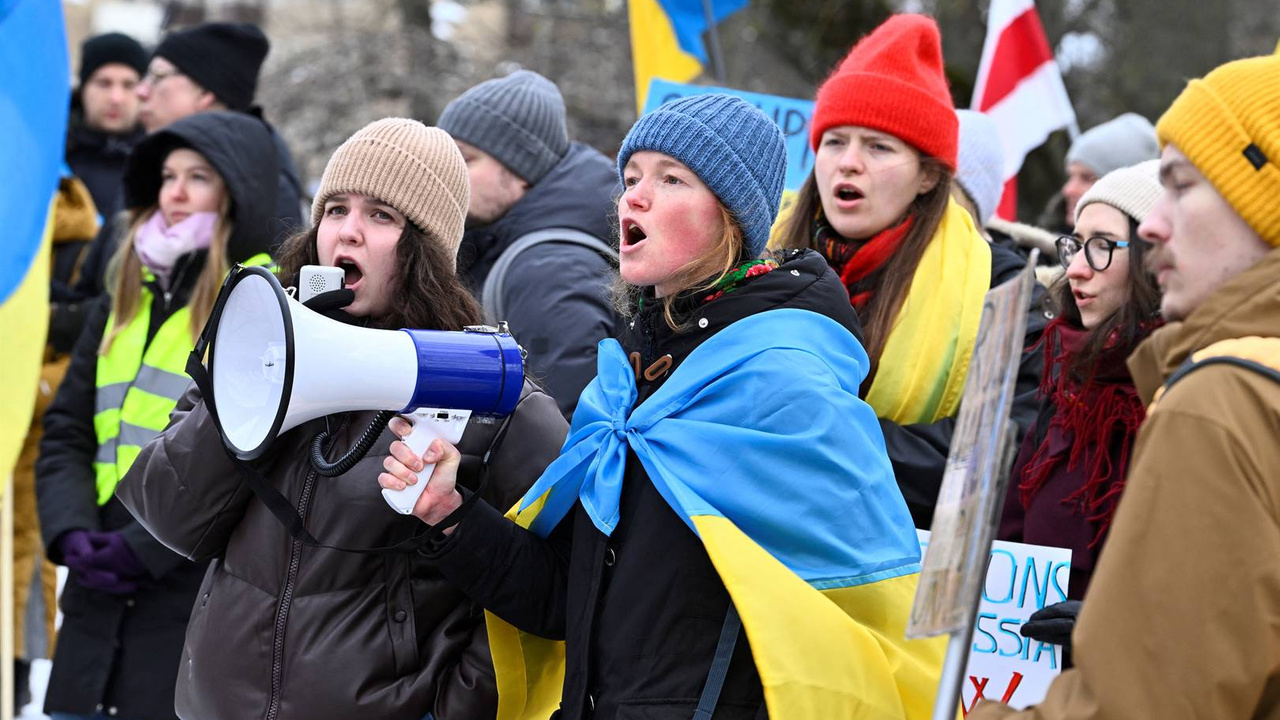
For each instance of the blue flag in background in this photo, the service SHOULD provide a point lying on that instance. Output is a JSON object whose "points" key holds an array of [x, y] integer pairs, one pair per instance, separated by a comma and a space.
{"points": [[35, 94], [689, 21]]}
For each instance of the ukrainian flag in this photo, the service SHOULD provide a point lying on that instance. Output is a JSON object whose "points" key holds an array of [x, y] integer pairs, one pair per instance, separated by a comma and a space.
{"points": [[35, 94], [666, 39], [799, 513]]}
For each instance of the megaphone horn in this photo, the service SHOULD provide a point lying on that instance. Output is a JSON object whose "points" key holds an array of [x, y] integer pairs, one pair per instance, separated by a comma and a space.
{"points": [[274, 364]]}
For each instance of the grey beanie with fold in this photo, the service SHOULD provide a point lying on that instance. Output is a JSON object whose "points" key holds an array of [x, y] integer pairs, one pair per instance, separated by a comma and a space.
{"points": [[1121, 142], [518, 119]]}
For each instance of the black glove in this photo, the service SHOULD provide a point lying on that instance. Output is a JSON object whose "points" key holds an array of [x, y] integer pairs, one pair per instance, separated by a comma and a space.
{"points": [[1053, 623], [330, 304]]}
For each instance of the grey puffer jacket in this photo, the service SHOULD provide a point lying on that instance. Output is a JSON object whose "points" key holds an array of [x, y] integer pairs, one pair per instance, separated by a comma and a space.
{"points": [[286, 631]]}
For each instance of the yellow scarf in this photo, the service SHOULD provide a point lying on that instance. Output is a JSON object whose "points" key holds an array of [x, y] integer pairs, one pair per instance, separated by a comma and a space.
{"points": [[926, 359]]}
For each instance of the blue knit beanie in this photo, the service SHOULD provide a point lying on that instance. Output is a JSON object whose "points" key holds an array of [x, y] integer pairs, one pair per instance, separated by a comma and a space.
{"points": [[736, 150]]}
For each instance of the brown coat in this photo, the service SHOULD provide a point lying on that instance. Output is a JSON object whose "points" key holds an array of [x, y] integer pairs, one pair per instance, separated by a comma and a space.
{"points": [[1183, 616], [284, 631]]}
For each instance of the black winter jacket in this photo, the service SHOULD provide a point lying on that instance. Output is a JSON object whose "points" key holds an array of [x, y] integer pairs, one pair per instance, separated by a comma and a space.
{"points": [[919, 451], [557, 294], [640, 611], [289, 632], [98, 158], [118, 654]]}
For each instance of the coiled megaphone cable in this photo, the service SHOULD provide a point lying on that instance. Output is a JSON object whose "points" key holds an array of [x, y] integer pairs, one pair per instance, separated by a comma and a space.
{"points": [[357, 451]]}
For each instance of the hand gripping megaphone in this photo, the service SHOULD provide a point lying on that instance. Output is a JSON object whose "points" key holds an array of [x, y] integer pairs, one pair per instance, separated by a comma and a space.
{"points": [[275, 364]]}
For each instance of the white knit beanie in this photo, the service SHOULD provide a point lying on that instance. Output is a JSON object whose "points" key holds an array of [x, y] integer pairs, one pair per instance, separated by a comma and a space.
{"points": [[980, 167], [1131, 190]]}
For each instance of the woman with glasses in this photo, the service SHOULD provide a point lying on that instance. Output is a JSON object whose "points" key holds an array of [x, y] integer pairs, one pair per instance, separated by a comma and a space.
{"points": [[1070, 471]]}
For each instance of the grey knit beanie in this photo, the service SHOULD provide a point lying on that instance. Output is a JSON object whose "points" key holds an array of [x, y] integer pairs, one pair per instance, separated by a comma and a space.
{"points": [[518, 119], [416, 169], [730, 145], [1132, 190], [1121, 142]]}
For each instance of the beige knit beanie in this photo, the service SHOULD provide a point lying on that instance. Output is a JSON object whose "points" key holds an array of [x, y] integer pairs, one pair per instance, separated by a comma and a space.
{"points": [[1132, 190], [416, 169]]}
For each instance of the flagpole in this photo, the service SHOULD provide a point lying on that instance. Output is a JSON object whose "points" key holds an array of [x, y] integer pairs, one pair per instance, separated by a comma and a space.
{"points": [[717, 60]]}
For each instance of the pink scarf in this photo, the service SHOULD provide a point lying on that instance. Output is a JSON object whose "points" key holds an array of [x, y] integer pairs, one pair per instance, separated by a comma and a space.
{"points": [[159, 246]]}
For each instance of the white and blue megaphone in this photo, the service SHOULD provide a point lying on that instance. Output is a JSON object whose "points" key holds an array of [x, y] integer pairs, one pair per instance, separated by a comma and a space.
{"points": [[275, 364]]}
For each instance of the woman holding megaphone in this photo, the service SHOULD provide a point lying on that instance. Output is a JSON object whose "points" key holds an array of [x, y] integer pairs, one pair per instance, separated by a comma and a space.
{"points": [[287, 630], [721, 474], [196, 202]]}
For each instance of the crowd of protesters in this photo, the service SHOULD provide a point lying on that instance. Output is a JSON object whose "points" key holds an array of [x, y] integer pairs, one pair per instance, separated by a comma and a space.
{"points": [[736, 411]]}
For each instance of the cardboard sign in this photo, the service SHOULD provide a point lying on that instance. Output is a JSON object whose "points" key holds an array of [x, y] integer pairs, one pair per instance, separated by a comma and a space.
{"points": [[790, 114], [1004, 666]]}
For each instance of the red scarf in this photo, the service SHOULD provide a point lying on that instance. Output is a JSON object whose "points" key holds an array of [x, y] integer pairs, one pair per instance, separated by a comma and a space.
{"points": [[1093, 414], [856, 265]]}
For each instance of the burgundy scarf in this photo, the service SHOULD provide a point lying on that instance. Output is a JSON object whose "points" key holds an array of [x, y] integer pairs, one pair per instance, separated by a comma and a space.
{"points": [[853, 262], [1093, 413]]}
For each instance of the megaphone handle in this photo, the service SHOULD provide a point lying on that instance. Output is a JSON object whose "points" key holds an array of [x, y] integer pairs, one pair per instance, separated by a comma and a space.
{"points": [[428, 424]]}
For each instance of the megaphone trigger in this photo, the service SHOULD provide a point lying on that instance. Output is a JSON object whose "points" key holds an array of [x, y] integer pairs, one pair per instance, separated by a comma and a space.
{"points": [[428, 424]]}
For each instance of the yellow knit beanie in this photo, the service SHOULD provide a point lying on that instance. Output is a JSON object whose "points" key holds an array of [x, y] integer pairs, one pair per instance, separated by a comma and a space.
{"points": [[1228, 125], [416, 169]]}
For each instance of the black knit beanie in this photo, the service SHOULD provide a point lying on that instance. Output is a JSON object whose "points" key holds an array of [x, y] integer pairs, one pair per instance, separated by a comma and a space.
{"points": [[223, 58], [111, 48]]}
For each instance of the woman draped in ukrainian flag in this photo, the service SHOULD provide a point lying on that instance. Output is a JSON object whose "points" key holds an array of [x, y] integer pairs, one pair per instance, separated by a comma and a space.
{"points": [[198, 195], [721, 533], [878, 207]]}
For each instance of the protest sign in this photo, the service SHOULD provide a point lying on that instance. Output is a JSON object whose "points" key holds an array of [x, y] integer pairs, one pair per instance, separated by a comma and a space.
{"points": [[790, 114], [973, 486], [1004, 666]]}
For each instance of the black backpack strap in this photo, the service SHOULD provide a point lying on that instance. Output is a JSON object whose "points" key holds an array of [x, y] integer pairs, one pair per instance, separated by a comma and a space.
{"points": [[720, 665], [1190, 365], [494, 290]]}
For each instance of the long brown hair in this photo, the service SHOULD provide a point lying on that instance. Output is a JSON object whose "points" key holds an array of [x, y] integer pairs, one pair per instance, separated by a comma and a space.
{"points": [[1126, 327], [124, 274], [893, 281], [427, 292], [728, 252]]}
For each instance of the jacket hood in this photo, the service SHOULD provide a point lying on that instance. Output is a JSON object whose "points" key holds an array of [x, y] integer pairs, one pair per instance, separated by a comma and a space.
{"points": [[1244, 306], [577, 193], [240, 147]]}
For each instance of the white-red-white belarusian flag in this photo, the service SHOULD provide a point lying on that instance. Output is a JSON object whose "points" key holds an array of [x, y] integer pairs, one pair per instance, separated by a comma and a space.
{"points": [[1020, 88]]}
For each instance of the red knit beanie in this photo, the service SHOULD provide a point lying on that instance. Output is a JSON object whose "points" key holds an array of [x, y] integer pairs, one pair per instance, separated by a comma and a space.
{"points": [[893, 81]]}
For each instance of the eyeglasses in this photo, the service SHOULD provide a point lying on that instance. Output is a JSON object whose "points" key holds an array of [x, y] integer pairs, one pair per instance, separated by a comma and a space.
{"points": [[153, 78], [1097, 251]]}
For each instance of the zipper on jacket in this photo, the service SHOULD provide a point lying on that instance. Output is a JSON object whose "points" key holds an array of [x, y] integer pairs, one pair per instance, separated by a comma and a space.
{"points": [[286, 593]]}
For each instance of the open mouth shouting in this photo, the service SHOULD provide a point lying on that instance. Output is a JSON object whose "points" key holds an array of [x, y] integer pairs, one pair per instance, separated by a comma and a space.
{"points": [[632, 235], [351, 272], [848, 195]]}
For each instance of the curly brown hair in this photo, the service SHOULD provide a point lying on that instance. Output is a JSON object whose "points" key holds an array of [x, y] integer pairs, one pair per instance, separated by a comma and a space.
{"points": [[429, 295]]}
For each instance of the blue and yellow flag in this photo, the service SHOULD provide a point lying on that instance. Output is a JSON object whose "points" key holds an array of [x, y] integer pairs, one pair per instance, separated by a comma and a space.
{"points": [[35, 92], [666, 39], [758, 441]]}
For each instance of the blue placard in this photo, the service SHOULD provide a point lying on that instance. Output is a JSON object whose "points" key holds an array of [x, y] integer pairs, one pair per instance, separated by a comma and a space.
{"points": [[791, 115]]}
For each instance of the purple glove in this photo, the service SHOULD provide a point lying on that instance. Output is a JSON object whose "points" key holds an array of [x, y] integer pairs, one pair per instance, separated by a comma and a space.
{"points": [[74, 546], [112, 566]]}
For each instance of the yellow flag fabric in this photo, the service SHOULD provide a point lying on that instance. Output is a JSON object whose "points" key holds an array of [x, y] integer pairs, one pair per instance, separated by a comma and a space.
{"points": [[655, 51], [926, 359], [833, 653], [25, 320]]}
